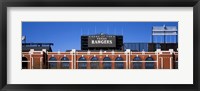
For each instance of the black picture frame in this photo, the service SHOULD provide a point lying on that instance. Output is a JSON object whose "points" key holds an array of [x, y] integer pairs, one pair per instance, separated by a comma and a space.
{"points": [[99, 3]]}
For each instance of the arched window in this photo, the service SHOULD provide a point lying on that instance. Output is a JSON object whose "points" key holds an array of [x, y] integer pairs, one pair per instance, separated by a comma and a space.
{"points": [[82, 65], [137, 65], [53, 64], [64, 65], [107, 65], [24, 63], [94, 65], [119, 65], [149, 65]]}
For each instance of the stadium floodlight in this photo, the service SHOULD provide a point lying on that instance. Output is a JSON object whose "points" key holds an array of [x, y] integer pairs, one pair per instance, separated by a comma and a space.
{"points": [[164, 31]]}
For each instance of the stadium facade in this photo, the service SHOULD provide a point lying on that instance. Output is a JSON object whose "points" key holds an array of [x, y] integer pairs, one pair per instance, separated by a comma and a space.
{"points": [[102, 51], [99, 60]]}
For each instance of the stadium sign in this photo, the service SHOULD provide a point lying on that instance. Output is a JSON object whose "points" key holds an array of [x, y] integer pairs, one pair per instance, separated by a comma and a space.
{"points": [[101, 41]]}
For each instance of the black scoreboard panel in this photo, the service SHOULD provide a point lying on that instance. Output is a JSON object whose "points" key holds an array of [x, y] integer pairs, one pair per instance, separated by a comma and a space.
{"points": [[119, 42], [84, 42], [102, 42]]}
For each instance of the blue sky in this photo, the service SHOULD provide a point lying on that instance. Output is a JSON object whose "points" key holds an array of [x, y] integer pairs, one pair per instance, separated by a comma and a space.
{"points": [[66, 35]]}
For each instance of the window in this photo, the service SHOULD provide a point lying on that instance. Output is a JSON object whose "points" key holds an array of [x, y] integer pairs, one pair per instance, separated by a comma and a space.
{"points": [[119, 65], [53, 64], [137, 65], [149, 65], [94, 65], [24, 63], [65, 65], [107, 65], [82, 65]]}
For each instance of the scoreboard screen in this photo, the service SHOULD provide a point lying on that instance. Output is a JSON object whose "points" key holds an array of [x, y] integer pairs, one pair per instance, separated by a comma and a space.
{"points": [[101, 41]]}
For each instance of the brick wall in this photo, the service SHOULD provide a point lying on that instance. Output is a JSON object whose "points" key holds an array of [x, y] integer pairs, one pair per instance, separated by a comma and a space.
{"points": [[40, 59]]}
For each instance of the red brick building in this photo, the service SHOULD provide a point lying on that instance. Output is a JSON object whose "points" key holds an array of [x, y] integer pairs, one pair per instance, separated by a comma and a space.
{"points": [[100, 59]]}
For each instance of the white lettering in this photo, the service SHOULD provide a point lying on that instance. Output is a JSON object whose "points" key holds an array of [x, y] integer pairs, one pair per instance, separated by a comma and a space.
{"points": [[101, 41]]}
